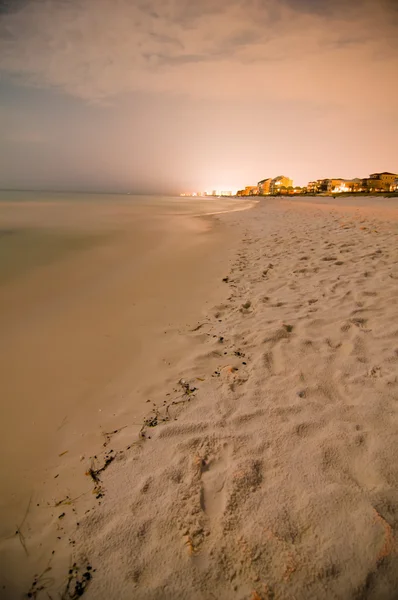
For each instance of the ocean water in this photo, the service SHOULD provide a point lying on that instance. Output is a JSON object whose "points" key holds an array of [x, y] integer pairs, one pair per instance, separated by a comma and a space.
{"points": [[161, 204], [39, 228]]}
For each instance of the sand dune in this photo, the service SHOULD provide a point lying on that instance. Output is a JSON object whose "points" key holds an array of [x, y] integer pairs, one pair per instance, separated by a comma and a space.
{"points": [[267, 465]]}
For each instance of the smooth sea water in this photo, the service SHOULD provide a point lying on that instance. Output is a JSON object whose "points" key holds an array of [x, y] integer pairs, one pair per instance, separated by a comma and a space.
{"points": [[39, 228], [176, 205]]}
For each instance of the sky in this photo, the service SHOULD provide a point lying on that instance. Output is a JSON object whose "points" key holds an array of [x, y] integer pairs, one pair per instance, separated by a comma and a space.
{"points": [[170, 96]]}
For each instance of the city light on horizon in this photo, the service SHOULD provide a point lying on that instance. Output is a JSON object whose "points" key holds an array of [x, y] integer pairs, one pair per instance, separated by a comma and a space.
{"points": [[384, 181], [213, 192]]}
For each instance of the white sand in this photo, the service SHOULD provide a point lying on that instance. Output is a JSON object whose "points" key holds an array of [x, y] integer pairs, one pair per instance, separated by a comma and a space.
{"points": [[277, 477]]}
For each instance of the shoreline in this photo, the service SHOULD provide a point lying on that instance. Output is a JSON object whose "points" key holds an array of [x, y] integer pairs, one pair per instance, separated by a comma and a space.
{"points": [[107, 320], [273, 417]]}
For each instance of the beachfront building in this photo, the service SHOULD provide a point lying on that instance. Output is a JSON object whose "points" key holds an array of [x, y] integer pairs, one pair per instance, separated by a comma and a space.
{"points": [[280, 184], [264, 186], [322, 185], [339, 186], [250, 190], [364, 184], [394, 187], [334, 185], [373, 184], [381, 182], [354, 185], [312, 187]]}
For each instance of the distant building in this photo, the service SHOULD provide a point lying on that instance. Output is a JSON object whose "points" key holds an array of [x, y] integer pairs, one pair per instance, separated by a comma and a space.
{"points": [[226, 193], [381, 181], [322, 185], [334, 184], [264, 186], [394, 187], [338, 186], [364, 184], [373, 184], [355, 184], [312, 187], [280, 184], [250, 190]]}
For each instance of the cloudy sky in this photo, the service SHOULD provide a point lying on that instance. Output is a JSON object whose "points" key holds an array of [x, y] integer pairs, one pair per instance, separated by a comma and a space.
{"points": [[182, 95]]}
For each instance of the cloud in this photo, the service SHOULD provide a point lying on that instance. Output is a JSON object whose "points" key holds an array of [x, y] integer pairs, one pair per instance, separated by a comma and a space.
{"points": [[26, 137], [10, 6], [98, 50]]}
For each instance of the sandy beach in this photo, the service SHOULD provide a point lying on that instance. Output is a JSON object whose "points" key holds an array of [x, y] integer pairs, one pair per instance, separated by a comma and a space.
{"points": [[217, 419]]}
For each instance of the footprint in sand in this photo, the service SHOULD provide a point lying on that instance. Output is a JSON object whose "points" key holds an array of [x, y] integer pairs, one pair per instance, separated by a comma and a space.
{"points": [[329, 258], [213, 497]]}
